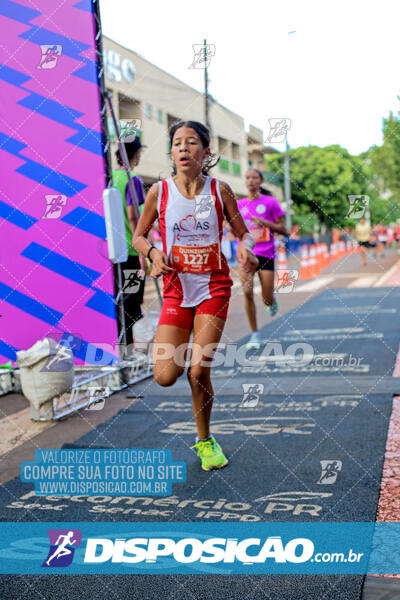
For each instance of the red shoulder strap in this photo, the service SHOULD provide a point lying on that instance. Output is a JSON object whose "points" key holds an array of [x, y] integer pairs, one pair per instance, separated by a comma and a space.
{"points": [[218, 207], [161, 215]]}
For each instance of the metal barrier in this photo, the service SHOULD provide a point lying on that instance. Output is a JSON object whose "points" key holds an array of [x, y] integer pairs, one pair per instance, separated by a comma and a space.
{"points": [[90, 389], [9, 382]]}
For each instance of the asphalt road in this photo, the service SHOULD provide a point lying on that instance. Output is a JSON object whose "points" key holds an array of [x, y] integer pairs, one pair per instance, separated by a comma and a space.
{"points": [[333, 422]]}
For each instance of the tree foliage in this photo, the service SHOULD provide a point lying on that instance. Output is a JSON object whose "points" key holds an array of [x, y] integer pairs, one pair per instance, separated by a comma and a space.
{"points": [[385, 162], [321, 181]]}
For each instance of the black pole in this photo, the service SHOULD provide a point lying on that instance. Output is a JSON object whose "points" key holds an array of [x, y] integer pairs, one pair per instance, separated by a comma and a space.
{"points": [[103, 92], [105, 99], [206, 96]]}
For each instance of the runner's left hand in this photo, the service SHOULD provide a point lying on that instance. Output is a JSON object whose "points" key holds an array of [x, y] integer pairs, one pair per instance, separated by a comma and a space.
{"points": [[144, 264]]}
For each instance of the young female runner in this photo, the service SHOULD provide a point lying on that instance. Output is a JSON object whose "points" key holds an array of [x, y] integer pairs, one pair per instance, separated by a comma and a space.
{"points": [[190, 207], [263, 216]]}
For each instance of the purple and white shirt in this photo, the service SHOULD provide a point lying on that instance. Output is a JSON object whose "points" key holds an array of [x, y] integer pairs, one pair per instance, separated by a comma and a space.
{"points": [[265, 207]]}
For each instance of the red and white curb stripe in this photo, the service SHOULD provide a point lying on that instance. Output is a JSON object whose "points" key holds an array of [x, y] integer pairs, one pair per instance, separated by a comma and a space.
{"points": [[389, 500]]}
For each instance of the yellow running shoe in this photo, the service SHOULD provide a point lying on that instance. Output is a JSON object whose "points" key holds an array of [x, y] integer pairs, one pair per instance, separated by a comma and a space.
{"points": [[210, 453]]}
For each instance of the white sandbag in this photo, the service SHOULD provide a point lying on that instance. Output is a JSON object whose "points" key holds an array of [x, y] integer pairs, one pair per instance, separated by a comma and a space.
{"points": [[46, 371], [145, 329]]}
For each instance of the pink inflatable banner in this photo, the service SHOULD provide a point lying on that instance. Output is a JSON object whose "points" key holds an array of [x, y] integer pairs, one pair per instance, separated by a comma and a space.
{"points": [[55, 278]]}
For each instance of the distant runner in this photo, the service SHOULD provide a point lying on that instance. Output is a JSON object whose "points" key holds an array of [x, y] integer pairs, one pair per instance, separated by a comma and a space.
{"points": [[382, 239], [363, 236], [190, 207], [397, 236], [263, 216]]}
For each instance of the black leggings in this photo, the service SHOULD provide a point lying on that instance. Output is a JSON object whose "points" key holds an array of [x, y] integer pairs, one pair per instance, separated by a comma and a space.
{"points": [[133, 301]]}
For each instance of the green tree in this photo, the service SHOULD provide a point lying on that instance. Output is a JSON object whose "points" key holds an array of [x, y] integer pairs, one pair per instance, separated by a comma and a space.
{"points": [[385, 163], [321, 181]]}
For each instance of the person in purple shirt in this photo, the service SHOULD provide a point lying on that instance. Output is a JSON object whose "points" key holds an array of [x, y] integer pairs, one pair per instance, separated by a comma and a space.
{"points": [[263, 216]]}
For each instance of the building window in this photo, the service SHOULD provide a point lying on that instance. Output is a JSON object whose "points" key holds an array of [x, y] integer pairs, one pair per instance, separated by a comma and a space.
{"points": [[235, 159], [223, 164], [223, 147], [129, 116], [147, 110], [128, 108], [236, 167], [224, 152], [159, 115]]}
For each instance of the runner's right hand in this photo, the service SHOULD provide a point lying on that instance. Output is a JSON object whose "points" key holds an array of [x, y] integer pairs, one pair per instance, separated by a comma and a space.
{"points": [[160, 264], [248, 261]]}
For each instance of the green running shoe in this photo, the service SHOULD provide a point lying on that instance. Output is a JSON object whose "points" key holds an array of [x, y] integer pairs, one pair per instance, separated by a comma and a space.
{"points": [[254, 341], [211, 455], [273, 308]]}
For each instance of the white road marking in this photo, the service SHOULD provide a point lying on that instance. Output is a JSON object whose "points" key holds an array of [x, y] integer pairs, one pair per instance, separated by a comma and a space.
{"points": [[313, 285], [305, 332], [362, 282], [387, 275]]}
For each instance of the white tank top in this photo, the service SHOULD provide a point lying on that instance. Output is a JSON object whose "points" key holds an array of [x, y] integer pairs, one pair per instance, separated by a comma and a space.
{"points": [[191, 232]]}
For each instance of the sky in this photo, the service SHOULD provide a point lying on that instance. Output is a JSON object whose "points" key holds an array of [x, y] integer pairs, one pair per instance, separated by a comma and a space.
{"points": [[335, 78]]}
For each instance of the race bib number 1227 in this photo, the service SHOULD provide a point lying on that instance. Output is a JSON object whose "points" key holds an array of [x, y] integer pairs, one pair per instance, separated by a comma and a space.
{"points": [[196, 259]]}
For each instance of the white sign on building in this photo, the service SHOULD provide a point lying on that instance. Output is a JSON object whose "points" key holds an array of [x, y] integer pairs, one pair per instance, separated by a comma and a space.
{"points": [[117, 67]]}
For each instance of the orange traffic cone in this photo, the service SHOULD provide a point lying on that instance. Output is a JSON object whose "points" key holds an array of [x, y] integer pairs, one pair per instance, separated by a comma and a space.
{"points": [[318, 256], [304, 266], [312, 261], [282, 262], [326, 255], [321, 257]]}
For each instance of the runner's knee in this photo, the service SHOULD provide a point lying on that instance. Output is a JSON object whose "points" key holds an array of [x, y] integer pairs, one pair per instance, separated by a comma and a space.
{"points": [[198, 375], [166, 376], [248, 293]]}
